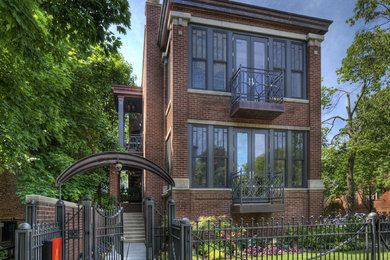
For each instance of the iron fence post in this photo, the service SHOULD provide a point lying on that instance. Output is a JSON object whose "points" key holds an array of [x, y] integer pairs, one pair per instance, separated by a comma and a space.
{"points": [[23, 242], [31, 212], [60, 219], [149, 227], [171, 217], [87, 244], [186, 239], [122, 238], [95, 233], [372, 218]]}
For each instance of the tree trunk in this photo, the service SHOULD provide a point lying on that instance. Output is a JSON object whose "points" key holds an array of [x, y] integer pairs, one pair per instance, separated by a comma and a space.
{"points": [[350, 196]]}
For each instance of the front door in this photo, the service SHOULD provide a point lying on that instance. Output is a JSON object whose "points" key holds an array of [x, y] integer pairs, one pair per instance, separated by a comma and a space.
{"points": [[251, 162], [251, 55]]}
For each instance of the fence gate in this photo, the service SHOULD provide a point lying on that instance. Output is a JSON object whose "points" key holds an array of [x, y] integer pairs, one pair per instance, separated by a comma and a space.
{"points": [[86, 232]]}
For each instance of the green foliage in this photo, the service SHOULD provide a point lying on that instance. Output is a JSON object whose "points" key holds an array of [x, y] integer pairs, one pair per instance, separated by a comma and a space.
{"points": [[334, 208], [55, 87], [356, 159], [371, 10]]}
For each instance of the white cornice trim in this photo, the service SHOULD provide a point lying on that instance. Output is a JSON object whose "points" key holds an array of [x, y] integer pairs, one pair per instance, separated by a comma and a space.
{"points": [[296, 100], [249, 125], [314, 39], [182, 18], [209, 92]]}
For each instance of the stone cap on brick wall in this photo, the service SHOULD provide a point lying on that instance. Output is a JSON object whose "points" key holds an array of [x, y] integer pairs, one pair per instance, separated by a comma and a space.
{"points": [[42, 199]]}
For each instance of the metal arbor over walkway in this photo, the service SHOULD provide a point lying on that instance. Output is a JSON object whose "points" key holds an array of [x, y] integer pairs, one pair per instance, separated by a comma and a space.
{"points": [[109, 158], [87, 232]]}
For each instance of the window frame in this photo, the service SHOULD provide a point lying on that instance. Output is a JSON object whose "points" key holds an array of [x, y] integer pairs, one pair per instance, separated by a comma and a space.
{"points": [[205, 59], [270, 135], [230, 58]]}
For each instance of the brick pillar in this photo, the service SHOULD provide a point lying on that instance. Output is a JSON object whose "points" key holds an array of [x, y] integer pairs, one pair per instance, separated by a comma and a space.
{"points": [[114, 182], [153, 100]]}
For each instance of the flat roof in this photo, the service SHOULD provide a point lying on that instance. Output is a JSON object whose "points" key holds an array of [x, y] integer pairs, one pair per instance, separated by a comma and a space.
{"points": [[316, 25]]}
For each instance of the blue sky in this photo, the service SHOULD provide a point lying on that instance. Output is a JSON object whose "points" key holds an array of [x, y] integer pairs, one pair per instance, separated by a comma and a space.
{"points": [[337, 40]]}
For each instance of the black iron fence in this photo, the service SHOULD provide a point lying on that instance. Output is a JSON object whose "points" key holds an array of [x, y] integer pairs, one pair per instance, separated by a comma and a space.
{"points": [[257, 85], [85, 232], [274, 239], [258, 187], [157, 235]]}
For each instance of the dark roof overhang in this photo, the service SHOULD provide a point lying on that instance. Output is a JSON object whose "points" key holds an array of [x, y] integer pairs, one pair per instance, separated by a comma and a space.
{"points": [[311, 24]]}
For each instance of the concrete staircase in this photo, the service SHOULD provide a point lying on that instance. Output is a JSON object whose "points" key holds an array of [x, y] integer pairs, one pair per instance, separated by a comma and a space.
{"points": [[134, 227]]}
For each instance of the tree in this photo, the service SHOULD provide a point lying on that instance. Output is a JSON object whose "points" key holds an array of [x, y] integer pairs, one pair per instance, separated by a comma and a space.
{"points": [[57, 61], [365, 71]]}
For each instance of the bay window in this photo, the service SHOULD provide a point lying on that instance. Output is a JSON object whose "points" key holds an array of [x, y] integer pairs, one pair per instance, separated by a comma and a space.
{"points": [[216, 153]]}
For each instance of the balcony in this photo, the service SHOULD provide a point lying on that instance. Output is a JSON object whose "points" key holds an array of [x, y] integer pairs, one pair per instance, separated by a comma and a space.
{"points": [[260, 192], [135, 144], [257, 93]]}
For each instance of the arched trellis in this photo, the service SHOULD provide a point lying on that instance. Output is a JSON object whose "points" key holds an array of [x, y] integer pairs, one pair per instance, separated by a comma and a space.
{"points": [[127, 161]]}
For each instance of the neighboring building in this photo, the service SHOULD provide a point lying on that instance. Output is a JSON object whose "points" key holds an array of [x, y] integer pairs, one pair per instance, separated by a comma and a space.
{"points": [[232, 108]]}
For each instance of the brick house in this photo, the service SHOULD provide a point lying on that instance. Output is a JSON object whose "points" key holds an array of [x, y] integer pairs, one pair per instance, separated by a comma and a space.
{"points": [[231, 108]]}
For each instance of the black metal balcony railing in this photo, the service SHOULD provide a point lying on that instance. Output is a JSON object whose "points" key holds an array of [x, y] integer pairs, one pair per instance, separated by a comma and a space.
{"points": [[259, 187], [257, 85], [134, 144]]}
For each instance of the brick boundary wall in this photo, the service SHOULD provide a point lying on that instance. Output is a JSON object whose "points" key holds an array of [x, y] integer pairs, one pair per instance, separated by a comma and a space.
{"points": [[45, 209]]}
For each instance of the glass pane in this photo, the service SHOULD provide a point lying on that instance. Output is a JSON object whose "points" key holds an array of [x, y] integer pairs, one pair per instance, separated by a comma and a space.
{"points": [[199, 44], [199, 141], [279, 55], [259, 55], [199, 74], [296, 84], [220, 142], [260, 155], [242, 152], [219, 44], [280, 145], [199, 171], [296, 57], [279, 166], [241, 53], [219, 76], [297, 169], [220, 170], [297, 145]]}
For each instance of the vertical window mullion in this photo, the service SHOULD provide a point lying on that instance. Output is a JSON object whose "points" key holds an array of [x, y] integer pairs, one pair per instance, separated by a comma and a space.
{"points": [[210, 157], [289, 160], [287, 88], [209, 60]]}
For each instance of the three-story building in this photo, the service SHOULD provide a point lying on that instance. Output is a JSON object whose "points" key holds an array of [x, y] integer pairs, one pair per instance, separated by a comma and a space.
{"points": [[232, 108]]}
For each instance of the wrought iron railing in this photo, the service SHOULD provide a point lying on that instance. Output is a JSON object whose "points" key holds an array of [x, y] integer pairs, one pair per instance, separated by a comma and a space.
{"points": [[257, 85], [135, 143], [258, 187]]}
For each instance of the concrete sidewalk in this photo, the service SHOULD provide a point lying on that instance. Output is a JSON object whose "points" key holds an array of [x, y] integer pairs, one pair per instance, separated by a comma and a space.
{"points": [[135, 251]]}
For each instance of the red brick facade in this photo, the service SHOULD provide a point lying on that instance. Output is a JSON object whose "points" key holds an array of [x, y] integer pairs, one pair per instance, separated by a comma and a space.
{"points": [[163, 119], [11, 208]]}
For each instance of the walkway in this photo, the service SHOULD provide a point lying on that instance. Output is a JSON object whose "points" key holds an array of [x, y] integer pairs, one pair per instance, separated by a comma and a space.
{"points": [[135, 251]]}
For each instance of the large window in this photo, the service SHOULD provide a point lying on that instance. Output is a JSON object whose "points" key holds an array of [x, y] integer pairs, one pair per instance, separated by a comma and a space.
{"points": [[199, 156], [217, 54], [199, 48], [209, 156], [208, 61], [213, 158]]}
